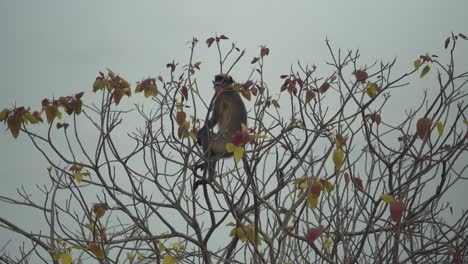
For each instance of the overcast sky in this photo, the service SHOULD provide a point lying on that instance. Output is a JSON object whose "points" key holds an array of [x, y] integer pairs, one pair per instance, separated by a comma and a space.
{"points": [[53, 48]]}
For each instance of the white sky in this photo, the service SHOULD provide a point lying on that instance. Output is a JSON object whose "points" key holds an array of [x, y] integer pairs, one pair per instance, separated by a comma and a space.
{"points": [[56, 48]]}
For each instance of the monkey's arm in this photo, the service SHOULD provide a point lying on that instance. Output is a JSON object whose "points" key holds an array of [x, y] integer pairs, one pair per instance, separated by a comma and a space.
{"points": [[214, 116]]}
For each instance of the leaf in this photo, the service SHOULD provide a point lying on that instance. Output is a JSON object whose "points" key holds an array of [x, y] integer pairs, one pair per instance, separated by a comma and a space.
{"points": [[99, 84], [361, 76], [246, 94], [423, 128], [326, 244], [338, 158], [387, 198], [447, 42], [346, 178], [117, 96], [97, 251], [254, 60], [340, 141], [100, 209], [396, 210], [440, 128], [377, 118], [312, 200], [264, 51], [425, 70], [180, 118], [372, 89], [78, 177], [358, 184], [161, 247], [14, 124], [314, 233], [275, 103], [324, 87], [309, 95], [66, 259], [417, 64], [223, 37], [185, 92], [3, 114]]}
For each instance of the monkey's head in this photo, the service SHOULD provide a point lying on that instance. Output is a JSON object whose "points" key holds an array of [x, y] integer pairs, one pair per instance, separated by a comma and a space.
{"points": [[223, 80]]}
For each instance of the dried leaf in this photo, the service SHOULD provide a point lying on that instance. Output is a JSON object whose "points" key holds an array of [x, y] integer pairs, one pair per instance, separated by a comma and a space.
{"points": [[264, 51], [309, 95], [447, 42], [358, 184], [14, 124], [361, 76], [97, 251], [185, 92], [180, 118]]}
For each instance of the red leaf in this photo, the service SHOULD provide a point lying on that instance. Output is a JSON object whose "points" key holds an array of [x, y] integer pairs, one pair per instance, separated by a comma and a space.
{"points": [[423, 128], [425, 58], [247, 84], [238, 138], [314, 233], [79, 95], [396, 210], [361, 76], [210, 41], [223, 37], [346, 178], [358, 184], [300, 82], [264, 51], [309, 95], [325, 86], [254, 60], [181, 131], [185, 92]]}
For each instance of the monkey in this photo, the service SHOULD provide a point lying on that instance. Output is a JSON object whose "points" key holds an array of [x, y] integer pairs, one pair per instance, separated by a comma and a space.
{"points": [[229, 113]]}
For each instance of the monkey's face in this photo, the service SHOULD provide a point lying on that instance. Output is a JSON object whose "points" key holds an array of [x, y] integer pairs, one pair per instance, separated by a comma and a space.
{"points": [[222, 81]]}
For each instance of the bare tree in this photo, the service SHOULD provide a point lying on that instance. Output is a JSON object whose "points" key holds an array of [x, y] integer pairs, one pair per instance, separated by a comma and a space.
{"points": [[319, 176]]}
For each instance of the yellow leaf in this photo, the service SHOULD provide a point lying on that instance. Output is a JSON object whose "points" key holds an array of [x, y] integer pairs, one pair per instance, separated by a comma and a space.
{"points": [[140, 256], [176, 246], [78, 177], [303, 185], [338, 158], [387, 198], [466, 122], [66, 259], [3, 114], [130, 257], [230, 147], [161, 247], [312, 200], [99, 84], [372, 89], [56, 256], [168, 259], [327, 185], [240, 233], [327, 243], [440, 128], [425, 70], [417, 64], [178, 106], [238, 154]]}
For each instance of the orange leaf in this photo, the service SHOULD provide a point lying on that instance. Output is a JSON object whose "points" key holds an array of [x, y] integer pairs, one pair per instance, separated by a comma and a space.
{"points": [[117, 96], [14, 124], [97, 251], [180, 118], [423, 128], [396, 210]]}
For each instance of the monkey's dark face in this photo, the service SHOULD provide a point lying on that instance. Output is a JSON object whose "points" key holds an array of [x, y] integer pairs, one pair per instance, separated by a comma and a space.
{"points": [[223, 80]]}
